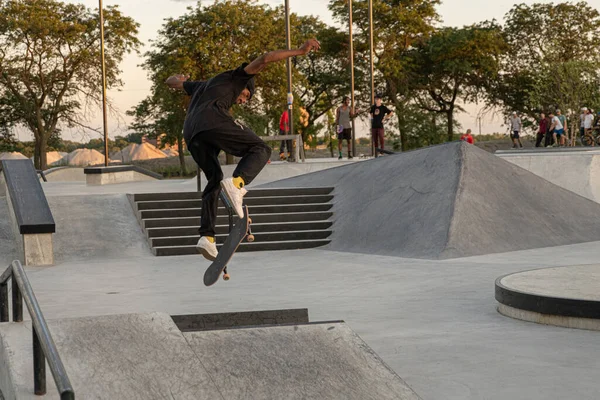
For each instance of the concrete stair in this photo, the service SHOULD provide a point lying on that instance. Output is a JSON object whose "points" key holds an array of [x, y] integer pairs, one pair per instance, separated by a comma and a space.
{"points": [[282, 219]]}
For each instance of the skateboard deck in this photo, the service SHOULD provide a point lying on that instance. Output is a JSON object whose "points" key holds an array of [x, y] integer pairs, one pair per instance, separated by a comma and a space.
{"points": [[226, 252]]}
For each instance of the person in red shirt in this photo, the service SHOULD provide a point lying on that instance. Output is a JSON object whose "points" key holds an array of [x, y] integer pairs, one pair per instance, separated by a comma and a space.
{"points": [[284, 129], [467, 137]]}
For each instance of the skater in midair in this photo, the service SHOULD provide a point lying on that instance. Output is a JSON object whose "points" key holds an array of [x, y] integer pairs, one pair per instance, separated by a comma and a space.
{"points": [[209, 129]]}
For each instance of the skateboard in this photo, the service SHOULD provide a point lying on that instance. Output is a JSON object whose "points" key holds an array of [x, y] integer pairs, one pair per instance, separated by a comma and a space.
{"points": [[237, 233]]}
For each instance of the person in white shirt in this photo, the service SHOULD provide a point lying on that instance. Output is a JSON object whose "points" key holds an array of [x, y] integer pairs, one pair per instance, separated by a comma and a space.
{"points": [[557, 130], [516, 126]]}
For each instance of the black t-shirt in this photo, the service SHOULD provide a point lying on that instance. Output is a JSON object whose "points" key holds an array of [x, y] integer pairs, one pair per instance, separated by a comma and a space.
{"points": [[378, 114], [212, 99]]}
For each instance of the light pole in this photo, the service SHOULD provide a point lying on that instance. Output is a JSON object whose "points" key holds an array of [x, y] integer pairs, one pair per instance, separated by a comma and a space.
{"points": [[290, 94], [371, 50], [104, 118], [352, 78]]}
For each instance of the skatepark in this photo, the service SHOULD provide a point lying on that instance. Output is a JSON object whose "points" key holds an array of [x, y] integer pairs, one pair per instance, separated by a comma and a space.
{"points": [[443, 273]]}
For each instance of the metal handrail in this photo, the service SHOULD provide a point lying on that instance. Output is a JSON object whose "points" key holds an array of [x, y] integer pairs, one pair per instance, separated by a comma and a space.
{"points": [[44, 348]]}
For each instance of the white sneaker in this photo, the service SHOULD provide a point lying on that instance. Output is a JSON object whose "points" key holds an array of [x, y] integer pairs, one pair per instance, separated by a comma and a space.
{"points": [[235, 195], [207, 249]]}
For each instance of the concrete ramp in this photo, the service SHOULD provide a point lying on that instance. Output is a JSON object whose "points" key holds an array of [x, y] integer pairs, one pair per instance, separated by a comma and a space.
{"points": [[115, 357], [449, 201], [96, 227], [577, 171], [147, 357], [315, 361]]}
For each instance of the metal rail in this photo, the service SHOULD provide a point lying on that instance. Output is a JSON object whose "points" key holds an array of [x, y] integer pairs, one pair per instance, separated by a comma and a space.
{"points": [[44, 348]]}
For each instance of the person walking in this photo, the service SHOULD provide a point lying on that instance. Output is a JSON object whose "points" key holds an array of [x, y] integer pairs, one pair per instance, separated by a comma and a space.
{"points": [[562, 140], [209, 128], [543, 128], [557, 129], [516, 126]]}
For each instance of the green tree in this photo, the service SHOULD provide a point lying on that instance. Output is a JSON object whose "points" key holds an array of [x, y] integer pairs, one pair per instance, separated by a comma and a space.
{"points": [[211, 39], [455, 64], [49, 63], [398, 26], [548, 45]]}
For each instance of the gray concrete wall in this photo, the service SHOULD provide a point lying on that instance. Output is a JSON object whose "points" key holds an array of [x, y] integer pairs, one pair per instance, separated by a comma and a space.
{"points": [[96, 227]]}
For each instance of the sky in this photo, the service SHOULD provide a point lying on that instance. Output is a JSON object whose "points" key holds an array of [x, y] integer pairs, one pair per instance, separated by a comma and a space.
{"points": [[151, 13]]}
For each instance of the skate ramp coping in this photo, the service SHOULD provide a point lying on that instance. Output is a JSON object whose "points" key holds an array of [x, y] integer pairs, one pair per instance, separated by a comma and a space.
{"points": [[146, 356], [118, 174]]}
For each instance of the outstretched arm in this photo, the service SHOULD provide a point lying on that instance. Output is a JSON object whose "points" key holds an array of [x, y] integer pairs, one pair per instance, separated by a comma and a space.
{"points": [[273, 56]]}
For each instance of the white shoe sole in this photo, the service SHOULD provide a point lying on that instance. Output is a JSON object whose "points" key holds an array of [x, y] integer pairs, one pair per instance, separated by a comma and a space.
{"points": [[205, 253], [227, 184]]}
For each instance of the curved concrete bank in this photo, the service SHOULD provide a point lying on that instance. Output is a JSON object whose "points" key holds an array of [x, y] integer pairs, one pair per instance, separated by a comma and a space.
{"points": [[563, 296], [575, 170], [64, 174]]}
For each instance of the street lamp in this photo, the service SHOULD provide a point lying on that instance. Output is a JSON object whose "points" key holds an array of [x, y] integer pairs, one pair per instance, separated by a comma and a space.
{"points": [[352, 78], [372, 67], [290, 94], [104, 118]]}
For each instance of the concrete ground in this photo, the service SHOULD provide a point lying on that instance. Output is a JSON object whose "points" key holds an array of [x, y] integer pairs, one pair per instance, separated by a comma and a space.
{"points": [[434, 322]]}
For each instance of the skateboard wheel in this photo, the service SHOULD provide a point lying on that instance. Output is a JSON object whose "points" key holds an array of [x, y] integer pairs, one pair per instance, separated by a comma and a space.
{"points": [[251, 238], [226, 277], [249, 220]]}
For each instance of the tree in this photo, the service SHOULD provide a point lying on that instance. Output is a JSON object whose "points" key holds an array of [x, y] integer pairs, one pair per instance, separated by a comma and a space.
{"points": [[49, 63], [567, 86], [398, 26], [455, 64], [547, 43], [209, 40]]}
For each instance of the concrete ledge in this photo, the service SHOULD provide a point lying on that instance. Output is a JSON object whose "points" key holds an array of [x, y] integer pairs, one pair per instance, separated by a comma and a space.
{"points": [[564, 296], [554, 320], [30, 214], [118, 174]]}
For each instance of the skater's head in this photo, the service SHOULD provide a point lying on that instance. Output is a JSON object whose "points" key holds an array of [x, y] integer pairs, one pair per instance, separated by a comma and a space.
{"points": [[244, 97], [246, 94]]}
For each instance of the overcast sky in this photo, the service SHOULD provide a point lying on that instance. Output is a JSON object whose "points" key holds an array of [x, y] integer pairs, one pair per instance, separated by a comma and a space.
{"points": [[151, 13]]}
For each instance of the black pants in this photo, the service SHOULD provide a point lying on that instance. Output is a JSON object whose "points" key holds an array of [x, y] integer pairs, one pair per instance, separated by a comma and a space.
{"points": [[233, 139], [285, 143], [538, 141]]}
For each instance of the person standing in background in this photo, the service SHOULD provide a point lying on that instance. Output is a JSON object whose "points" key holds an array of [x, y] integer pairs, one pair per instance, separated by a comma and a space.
{"points": [[379, 114], [284, 129], [467, 137], [343, 121]]}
